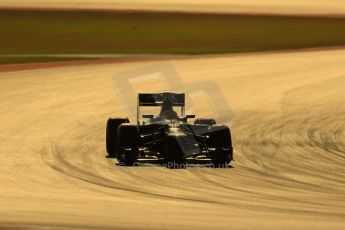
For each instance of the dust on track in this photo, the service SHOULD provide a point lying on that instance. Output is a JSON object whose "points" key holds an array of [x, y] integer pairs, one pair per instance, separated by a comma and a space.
{"points": [[288, 138]]}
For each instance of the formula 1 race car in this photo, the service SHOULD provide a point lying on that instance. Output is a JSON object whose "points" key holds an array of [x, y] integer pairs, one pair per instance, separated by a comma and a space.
{"points": [[167, 137]]}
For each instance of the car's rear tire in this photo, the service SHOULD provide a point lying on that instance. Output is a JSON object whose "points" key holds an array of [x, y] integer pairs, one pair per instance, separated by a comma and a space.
{"points": [[127, 147], [111, 134], [220, 142]]}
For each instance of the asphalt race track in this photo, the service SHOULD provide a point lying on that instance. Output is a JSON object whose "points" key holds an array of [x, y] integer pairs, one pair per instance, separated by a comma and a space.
{"points": [[288, 124]]}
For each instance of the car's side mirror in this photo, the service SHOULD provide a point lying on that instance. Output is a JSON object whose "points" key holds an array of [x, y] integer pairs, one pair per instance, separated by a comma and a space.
{"points": [[190, 116], [148, 116]]}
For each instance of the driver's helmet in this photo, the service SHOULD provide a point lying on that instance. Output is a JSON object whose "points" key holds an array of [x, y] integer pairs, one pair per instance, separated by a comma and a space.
{"points": [[167, 110]]}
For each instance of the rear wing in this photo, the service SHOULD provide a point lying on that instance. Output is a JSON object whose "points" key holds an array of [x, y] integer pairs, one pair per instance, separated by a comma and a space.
{"points": [[156, 99]]}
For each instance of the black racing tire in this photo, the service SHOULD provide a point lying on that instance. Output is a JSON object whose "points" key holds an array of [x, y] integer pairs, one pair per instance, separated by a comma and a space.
{"points": [[219, 136], [127, 147], [221, 144], [205, 121], [111, 134]]}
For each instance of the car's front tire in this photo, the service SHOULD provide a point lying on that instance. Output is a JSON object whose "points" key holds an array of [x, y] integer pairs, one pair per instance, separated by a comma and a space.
{"points": [[127, 147], [220, 145]]}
